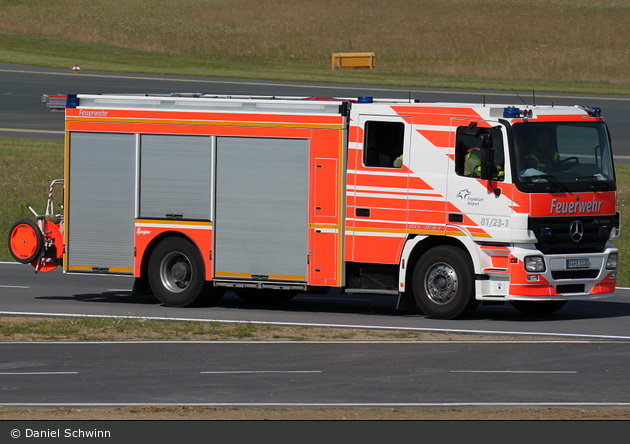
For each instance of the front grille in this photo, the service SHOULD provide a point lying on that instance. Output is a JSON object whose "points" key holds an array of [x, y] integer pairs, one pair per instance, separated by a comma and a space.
{"points": [[554, 236]]}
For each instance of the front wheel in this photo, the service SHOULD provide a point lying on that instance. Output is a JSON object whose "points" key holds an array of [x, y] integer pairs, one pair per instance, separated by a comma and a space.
{"points": [[444, 283], [177, 275]]}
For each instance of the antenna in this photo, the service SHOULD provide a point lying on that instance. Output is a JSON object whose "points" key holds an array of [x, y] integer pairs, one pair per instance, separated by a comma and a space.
{"points": [[534, 96], [524, 102]]}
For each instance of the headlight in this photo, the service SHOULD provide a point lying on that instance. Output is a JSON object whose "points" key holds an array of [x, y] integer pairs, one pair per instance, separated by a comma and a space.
{"points": [[613, 261], [534, 264]]}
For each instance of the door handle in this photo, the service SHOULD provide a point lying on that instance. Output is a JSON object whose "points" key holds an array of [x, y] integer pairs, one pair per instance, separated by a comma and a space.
{"points": [[362, 212]]}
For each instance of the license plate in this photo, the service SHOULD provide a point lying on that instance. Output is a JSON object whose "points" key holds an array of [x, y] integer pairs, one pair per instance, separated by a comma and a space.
{"points": [[578, 263]]}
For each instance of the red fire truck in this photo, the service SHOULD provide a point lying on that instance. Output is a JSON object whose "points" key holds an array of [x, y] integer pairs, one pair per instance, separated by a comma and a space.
{"points": [[445, 205]]}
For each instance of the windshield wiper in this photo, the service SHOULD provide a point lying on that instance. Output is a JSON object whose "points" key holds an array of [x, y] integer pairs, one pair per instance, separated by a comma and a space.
{"points": [[553, 179], [603, 184], [548, 178]]}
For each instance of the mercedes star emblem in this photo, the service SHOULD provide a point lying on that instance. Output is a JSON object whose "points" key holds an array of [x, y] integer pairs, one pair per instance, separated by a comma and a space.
{"points": [[576, 231]]}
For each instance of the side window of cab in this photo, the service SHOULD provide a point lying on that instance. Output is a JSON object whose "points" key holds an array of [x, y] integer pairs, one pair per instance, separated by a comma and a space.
{"points": [[383, 144], [469, 144]]}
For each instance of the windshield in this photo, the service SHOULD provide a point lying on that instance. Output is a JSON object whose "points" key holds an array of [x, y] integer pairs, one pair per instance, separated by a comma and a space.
{"points": [[572, 156]]}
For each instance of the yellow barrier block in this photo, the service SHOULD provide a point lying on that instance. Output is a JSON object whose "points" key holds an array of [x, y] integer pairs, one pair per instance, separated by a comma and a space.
{"points": [[353, 60]]}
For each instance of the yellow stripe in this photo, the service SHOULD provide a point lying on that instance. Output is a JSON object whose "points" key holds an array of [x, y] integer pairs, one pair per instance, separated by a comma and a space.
{"points": [[171, 222], [484, 235], [66, 183], [91, 268], [377, 230], [121, 269], [238, 275], [80, 267], [455, 233], [249, 276], [343, 136], [427, 232], [324, 226], [207, 123], [287, 277]]}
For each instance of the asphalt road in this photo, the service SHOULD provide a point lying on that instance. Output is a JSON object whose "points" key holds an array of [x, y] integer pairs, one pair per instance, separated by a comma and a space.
{"points": [[22, 292], [315, 374]]}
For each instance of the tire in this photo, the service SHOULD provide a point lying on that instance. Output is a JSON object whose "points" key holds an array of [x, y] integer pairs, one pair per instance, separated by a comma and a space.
{"points": [[25, 241], [265, 296], [444, 283], [538, 307], [177, 275]]}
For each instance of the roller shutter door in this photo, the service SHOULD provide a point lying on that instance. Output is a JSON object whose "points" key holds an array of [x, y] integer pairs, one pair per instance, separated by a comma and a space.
{"points": [[175, 176], [100, 213], [261, 225]]}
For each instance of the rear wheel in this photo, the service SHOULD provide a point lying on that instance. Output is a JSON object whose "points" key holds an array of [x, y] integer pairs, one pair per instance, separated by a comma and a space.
{"points": [[177, 275], [25, 241], [444, 284], [538, 307]]}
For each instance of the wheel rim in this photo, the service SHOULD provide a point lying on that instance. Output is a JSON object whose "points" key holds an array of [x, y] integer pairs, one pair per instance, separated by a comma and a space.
{"points": [[441, 283], [23, 241], [175, 272]]}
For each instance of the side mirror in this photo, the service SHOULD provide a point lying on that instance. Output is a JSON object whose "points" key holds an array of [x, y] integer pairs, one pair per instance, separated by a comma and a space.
{"points": [[487, 164], [485, 141], [487, 169]]}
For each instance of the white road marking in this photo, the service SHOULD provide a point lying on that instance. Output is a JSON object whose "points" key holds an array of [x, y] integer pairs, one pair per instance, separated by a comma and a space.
{"points": [[14, 286], [39, 373], [536, 372], [22, 130], [319, 404], [236, 372]]}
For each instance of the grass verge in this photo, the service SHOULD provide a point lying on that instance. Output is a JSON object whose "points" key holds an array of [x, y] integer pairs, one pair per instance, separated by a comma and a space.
{"points": [[524, 45], [27, 167], [132, 329], [158, 413]]}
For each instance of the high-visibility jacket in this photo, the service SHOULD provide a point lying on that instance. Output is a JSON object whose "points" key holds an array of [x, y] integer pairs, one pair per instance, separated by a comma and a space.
{"points": [[540, 163], [472, 163]]}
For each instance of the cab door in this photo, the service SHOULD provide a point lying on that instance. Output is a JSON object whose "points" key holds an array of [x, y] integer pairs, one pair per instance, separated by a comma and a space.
{"points": [[377, 212], [479, 206]]}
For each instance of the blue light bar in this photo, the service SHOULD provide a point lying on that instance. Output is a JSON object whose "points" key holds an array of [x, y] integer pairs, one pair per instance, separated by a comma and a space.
{"points": [[594, 111], [511, 112], [72, 101], [366, 99]]}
